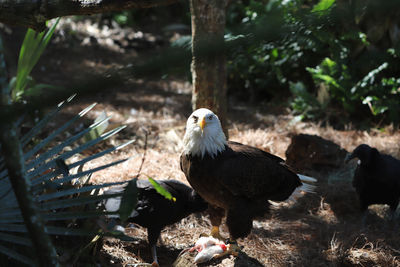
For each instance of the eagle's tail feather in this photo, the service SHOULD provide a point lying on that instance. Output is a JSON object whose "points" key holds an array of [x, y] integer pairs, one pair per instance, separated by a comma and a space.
{"points": [[300, 191], [304, 188], [307, 179]]}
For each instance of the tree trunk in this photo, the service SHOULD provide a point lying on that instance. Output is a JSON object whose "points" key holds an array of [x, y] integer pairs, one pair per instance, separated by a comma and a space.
{"points": [[208, 64]]}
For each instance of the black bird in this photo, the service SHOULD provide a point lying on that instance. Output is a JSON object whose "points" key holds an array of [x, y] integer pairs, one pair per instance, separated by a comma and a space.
{"points": [[153, 211], [376, 178]]}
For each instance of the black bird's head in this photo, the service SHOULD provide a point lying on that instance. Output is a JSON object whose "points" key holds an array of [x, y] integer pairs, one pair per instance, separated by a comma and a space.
{"points": [[363, 152]]}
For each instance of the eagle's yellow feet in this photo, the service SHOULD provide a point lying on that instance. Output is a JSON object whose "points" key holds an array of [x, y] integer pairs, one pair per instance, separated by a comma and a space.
{"points": [[215, 233]]}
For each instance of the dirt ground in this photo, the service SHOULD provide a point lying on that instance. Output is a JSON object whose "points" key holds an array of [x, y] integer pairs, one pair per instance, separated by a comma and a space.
{"points": [[322, 229]]}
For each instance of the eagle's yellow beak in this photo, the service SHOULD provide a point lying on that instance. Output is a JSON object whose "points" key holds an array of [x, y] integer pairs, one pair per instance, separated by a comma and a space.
{"points": [[202, 123]]}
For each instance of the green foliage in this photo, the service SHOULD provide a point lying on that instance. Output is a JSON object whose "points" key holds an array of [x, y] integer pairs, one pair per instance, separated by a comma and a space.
{"points": [[32, 48], [123, 18], [305, 103], [129, 200], [335, 78], [258, 69], [60, 185], [329, 56], [380, 94], [161, 190], [323, 5]]}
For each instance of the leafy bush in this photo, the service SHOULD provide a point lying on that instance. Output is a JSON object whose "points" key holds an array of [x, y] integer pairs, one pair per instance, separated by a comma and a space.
{"points": [[381, 94], [329, 55]]}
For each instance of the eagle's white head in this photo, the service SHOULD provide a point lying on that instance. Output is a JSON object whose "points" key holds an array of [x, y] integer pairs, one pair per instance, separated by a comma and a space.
{"points": [[203, 134]]}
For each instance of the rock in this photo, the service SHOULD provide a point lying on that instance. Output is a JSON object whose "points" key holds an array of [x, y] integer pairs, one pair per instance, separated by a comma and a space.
{"points": [[312, 152]]}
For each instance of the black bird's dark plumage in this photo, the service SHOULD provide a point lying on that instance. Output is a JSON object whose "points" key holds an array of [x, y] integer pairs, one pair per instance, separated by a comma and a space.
{"points": [[153, 211], [376, 178]]}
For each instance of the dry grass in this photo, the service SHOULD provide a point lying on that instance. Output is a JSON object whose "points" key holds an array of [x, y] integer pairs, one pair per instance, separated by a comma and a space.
{"points": [[323, 229]]}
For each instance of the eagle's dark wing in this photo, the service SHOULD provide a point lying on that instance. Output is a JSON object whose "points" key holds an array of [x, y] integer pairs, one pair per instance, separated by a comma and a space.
{"points": [[253, 151], [253, 173], [184, 164]]}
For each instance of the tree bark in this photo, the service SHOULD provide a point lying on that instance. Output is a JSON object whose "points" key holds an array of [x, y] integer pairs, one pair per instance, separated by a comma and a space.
{"points": [[13, 156], [208, 64], [34, 13]]}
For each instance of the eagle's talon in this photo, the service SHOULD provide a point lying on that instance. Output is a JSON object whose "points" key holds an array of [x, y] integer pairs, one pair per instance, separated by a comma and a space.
{"points": [[215, 233]]}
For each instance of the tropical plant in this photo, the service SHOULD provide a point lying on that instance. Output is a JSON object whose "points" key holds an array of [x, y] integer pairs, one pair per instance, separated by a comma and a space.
{"points": [[329, 55], [32, 48], [59, 185], [65, 197], [378, 92]]}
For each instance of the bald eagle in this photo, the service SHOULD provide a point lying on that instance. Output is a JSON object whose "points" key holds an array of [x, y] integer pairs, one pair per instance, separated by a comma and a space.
{"points": [[376, 178], [235, 179]]}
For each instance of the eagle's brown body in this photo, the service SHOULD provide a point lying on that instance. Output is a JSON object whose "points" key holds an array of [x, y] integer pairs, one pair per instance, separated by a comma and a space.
{"points": [[240, 180]]}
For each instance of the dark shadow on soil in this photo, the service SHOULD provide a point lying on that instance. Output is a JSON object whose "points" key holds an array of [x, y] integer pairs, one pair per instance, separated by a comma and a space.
{"points": [[243, 260]]}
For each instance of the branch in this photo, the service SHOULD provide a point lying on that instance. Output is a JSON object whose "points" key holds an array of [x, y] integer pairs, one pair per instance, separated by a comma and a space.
{"points": [[34, 13], [144, 153]]}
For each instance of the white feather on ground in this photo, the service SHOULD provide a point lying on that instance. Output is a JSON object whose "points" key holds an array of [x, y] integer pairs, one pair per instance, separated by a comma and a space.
{"points": [[209, 253]]}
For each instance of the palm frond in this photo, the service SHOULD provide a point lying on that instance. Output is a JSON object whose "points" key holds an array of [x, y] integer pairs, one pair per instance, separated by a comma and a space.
{"points": [[128, 200], [58, 197], [17, 256], [36, 129]]}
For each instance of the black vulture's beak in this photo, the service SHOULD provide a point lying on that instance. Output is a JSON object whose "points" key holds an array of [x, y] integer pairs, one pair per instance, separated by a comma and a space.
{"points": [[349, 157]]}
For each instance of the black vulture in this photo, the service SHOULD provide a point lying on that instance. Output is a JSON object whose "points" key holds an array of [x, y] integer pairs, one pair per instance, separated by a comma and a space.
{"points": [[376, 178], [153, 211], [233, 178]]}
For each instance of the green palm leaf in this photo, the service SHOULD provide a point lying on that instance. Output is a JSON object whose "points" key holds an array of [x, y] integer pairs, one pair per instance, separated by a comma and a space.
{"points": [[15, 255], [58, 197], [129, 200], [32, 48]]}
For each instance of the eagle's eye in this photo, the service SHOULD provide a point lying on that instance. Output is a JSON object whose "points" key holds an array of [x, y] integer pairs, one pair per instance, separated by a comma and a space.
{"points": [[195, 119], [210, 117]]}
